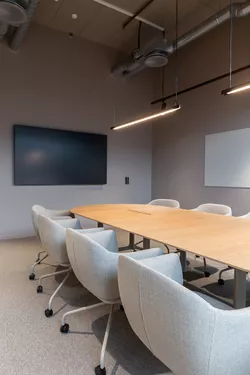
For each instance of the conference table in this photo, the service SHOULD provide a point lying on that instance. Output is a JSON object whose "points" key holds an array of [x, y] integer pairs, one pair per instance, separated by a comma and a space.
{"points": [[223, 239]]}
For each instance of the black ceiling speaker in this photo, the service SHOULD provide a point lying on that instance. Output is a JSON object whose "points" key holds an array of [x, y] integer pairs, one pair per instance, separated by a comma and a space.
{"points": [[12, 12]]}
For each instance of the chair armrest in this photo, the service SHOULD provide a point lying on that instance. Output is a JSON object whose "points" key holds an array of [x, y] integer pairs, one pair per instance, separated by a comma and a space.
{"points": [[56, 213], [90, 230], [105, 238], [60, 217], [69, 223], [145, 254], [168, 265]]}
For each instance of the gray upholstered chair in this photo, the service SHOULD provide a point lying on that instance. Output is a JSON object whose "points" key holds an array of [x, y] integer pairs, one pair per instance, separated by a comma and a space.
{"points": [[213, 208], [191, 333], [221, 280], [37, 210], [53, 237], [94, 260], [171, 203]]}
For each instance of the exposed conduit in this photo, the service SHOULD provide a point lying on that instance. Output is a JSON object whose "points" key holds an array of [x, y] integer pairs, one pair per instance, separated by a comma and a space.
{"points": [[3, 30], [22, 30], [240, 10]]}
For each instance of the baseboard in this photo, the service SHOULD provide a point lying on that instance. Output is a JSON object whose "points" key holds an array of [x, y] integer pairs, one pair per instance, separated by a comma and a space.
{"points": [[16, 235]]}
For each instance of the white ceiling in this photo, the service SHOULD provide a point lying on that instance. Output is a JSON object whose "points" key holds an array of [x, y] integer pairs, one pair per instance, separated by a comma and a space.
{"points": [[105, 26]]}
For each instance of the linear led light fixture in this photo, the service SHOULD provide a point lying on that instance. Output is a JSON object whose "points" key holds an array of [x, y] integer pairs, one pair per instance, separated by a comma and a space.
{"points": [[245, 86], [174, 108], [236, 89]]}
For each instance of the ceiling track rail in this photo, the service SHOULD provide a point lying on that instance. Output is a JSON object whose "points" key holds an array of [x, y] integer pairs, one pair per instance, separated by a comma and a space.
{"points": [[202, 84], [129, 14]]}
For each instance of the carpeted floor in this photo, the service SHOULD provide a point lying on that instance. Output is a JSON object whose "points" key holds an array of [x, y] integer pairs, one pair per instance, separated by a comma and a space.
{"points": [[32, 344]]}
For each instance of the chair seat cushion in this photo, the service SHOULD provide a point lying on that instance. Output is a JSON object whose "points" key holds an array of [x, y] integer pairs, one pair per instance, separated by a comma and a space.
{"points": [[214, 302]]}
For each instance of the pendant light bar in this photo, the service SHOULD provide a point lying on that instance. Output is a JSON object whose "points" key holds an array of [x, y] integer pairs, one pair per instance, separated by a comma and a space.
{"points": [[245, 86], [236, 89], [174, 108]]}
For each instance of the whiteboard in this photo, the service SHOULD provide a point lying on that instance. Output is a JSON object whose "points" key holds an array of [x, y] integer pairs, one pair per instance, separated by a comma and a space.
{"points": [[227, 159]]}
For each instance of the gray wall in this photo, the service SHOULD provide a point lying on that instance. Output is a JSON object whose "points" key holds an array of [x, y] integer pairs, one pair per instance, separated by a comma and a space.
{"points": [[66, 83], [179, 140]]}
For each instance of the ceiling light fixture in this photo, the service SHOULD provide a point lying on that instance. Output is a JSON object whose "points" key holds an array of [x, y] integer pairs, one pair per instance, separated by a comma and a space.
{"points": [[244, 86], [74, 16], [164, 109], [236, 89], [174, 108]]}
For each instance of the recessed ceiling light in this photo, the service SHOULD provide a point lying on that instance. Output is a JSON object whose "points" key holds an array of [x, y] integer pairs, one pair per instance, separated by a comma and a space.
{"points": [[74, 16]]}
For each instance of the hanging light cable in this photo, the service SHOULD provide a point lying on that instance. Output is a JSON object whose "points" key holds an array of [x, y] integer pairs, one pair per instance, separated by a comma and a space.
{"points": [[176, 51], [164, 110], [242, 87]]}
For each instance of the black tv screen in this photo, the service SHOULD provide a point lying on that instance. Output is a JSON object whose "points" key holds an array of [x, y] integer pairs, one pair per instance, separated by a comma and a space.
{"points": [[45, 156]]}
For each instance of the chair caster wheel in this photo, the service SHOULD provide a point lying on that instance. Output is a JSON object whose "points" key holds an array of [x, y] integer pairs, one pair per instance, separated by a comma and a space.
{"points": [[32, 276], [39, 289], [221, 282], [207, 274], [48, 313], [64, 328], [100, 371], [121, 308]]}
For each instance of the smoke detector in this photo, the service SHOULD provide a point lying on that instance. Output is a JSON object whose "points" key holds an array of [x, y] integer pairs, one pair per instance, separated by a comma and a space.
{"points": [[12, 13], [156, 59]]}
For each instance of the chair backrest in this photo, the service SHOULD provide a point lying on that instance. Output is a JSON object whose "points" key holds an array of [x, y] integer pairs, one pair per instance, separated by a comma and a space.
{"points": [[53, 237], [185, 332], [94, 262], [213, 208], [37, 210], [165, 202], [246, 216]]}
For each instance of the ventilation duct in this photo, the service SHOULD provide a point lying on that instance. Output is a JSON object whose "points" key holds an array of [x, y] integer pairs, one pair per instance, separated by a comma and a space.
{"points": [[3, 30], [22, 30], [153, 55], [12, 13], [240, 10]]}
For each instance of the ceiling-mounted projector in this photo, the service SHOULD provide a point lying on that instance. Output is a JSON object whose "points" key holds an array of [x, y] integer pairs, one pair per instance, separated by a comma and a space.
{"points": [[12, 13]]}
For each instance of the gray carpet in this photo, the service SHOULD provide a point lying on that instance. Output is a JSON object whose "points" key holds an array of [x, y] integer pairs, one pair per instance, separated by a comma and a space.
{"points": [[32, 344]]}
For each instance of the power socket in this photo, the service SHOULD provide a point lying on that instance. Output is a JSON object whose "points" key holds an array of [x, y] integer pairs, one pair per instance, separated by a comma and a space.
{"points": [[126, 180]]}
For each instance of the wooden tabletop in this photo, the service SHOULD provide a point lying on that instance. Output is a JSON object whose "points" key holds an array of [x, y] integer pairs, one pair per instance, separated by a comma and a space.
{"points": [[222, 238]]}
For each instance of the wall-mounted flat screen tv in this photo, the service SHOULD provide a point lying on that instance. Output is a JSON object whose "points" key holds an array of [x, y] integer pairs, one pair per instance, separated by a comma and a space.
{"points": [[44, 156]]}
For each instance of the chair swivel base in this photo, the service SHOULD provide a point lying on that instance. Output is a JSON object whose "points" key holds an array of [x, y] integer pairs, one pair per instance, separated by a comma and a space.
{"points": [[100, 371], [32, 276], [64, 328]]}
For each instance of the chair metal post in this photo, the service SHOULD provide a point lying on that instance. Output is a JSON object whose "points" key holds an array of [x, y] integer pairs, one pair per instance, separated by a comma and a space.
{"points": [[38, 255], [76, 311], [53, 274], [38, 261], [58, 288], [106, 336]]}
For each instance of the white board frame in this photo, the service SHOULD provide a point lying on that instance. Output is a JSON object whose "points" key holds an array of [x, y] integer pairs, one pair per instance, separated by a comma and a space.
{"points": [[227, 159]]}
